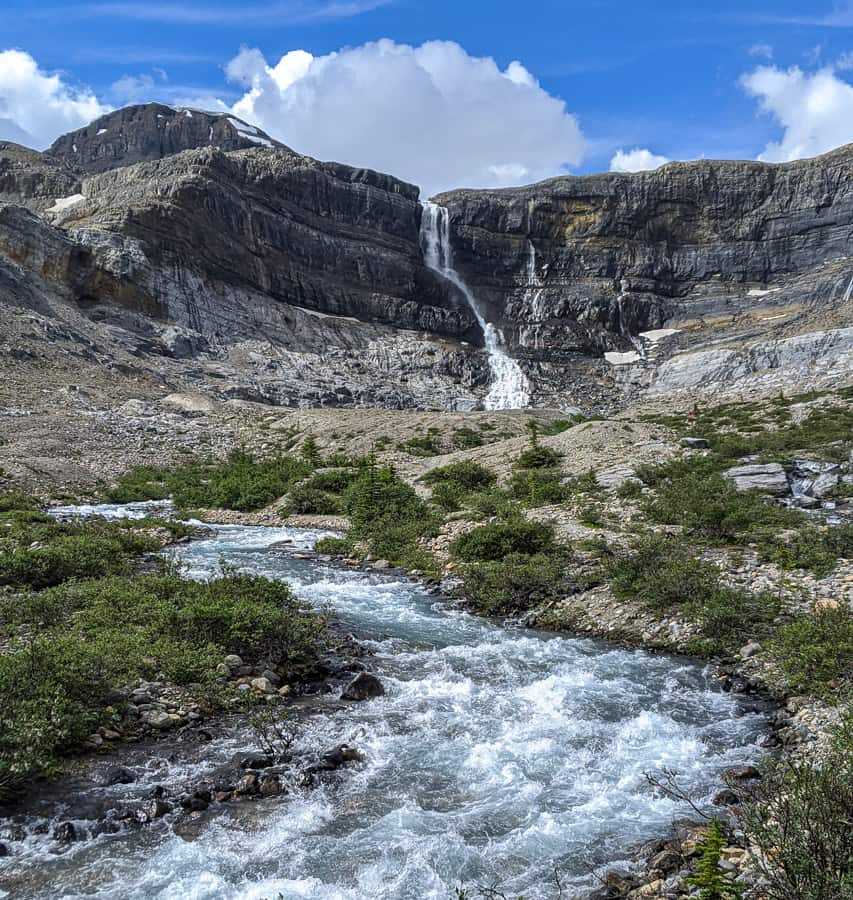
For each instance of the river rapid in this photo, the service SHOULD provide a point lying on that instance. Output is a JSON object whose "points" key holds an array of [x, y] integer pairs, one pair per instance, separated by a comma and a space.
{"points": [[495, 755]]}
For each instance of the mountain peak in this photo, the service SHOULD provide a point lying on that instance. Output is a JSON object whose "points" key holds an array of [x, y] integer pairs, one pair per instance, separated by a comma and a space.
{"points": [[151, 131]]}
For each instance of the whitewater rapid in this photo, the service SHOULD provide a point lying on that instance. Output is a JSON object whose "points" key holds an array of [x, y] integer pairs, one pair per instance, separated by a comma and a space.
{"points": [[495, 755], [510, 388]]}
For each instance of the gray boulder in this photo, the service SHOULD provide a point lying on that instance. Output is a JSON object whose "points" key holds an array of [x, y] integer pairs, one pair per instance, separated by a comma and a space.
{"points": [[363, 687], [770, 478]]}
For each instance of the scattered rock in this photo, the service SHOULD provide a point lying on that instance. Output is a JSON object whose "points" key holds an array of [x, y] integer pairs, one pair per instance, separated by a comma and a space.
{"points": [[695, 443], [363, 687]]}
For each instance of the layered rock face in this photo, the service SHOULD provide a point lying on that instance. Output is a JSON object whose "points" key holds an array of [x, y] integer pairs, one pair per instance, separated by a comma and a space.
{"points": [[152, 131], [573, 267], [192, 245]]}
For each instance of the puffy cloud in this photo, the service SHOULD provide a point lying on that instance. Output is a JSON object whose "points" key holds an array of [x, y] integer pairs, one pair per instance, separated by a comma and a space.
{"points": [[431, 114], [815, 110], [636, 160], [36, 107]]}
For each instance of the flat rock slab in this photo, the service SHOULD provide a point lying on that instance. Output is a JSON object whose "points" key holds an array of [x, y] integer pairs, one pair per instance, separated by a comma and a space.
{"points": [[767, 477]]}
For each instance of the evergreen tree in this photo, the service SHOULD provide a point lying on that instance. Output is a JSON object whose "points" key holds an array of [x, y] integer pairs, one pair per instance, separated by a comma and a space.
{"points": [[713, 882]]}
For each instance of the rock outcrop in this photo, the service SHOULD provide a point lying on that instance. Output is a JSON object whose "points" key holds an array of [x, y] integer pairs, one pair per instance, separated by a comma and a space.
{"points": [[153, 131], [225, 262]]}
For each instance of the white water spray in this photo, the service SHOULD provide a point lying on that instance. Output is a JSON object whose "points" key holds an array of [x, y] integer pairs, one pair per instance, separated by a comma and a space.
{"points": [[510, 388]]}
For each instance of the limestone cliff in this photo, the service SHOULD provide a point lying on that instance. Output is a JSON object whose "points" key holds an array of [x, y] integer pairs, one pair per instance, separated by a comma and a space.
{"points": [[209, 252]]}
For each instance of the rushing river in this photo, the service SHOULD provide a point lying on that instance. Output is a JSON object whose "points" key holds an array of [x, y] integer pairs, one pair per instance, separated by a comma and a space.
{"points": [[495, 755]]}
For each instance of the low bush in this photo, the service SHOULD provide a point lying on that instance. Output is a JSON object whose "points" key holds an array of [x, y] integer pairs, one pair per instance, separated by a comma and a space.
{"points": [[691, 493], [335, 546], [538, 487], [664, 573], [466, 438], [388, 515], [514, 584], [537, 457], [660, 572], [815, 549], [307, 500], [241, 482], [798, 817], [815, 651], [469, 475], [89, 636], [37, 552], [494, 542]]}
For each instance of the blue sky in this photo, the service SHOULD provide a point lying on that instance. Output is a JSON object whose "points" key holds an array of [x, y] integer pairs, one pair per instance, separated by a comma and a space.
{"points": [[664, 76]]}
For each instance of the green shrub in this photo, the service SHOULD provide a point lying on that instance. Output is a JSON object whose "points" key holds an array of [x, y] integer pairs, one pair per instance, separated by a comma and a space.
{"points": [[713, 882], [51, 694], [689, 492], [449, 496], [422, 445], [240, 482], [15, 500], [537, 457], [514, 584], [494, 503], [335, 546], [308, 500], [94, 635], [333, 481], [466, 438], [661, 572], [817, 550], [387, 513], [494, 542], [538, 487], [36, 551], [816, 651], [469, 475], [798, 817]]}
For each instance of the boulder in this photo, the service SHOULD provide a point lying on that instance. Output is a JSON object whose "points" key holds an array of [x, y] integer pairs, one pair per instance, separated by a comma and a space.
{"points": [[65, 833], [264, 685], [363, 687], [617, 475], [770, 478], [118, 775], [694, 443]]}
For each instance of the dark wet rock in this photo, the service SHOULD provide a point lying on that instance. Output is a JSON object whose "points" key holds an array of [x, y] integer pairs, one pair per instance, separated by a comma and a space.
{"points": [[270, 786], [666, 862], [4, 850], [363, 687], [741, 773], [253, 760], [247, 786], [118, 775], [204, 735], [65, 833], [726, 797], [13, 833], [156, 809]]}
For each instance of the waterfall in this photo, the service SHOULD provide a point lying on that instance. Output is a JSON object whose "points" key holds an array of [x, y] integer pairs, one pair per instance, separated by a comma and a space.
{"points": [[510, 388]]}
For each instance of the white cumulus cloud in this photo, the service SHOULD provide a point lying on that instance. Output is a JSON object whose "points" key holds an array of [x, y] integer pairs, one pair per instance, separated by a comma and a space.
{"points": [[814, 110], [36, 107], [431, 114], [636, 160]]}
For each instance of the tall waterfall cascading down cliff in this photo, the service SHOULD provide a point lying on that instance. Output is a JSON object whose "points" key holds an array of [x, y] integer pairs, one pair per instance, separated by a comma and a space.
{"points": [[510, 388]]}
